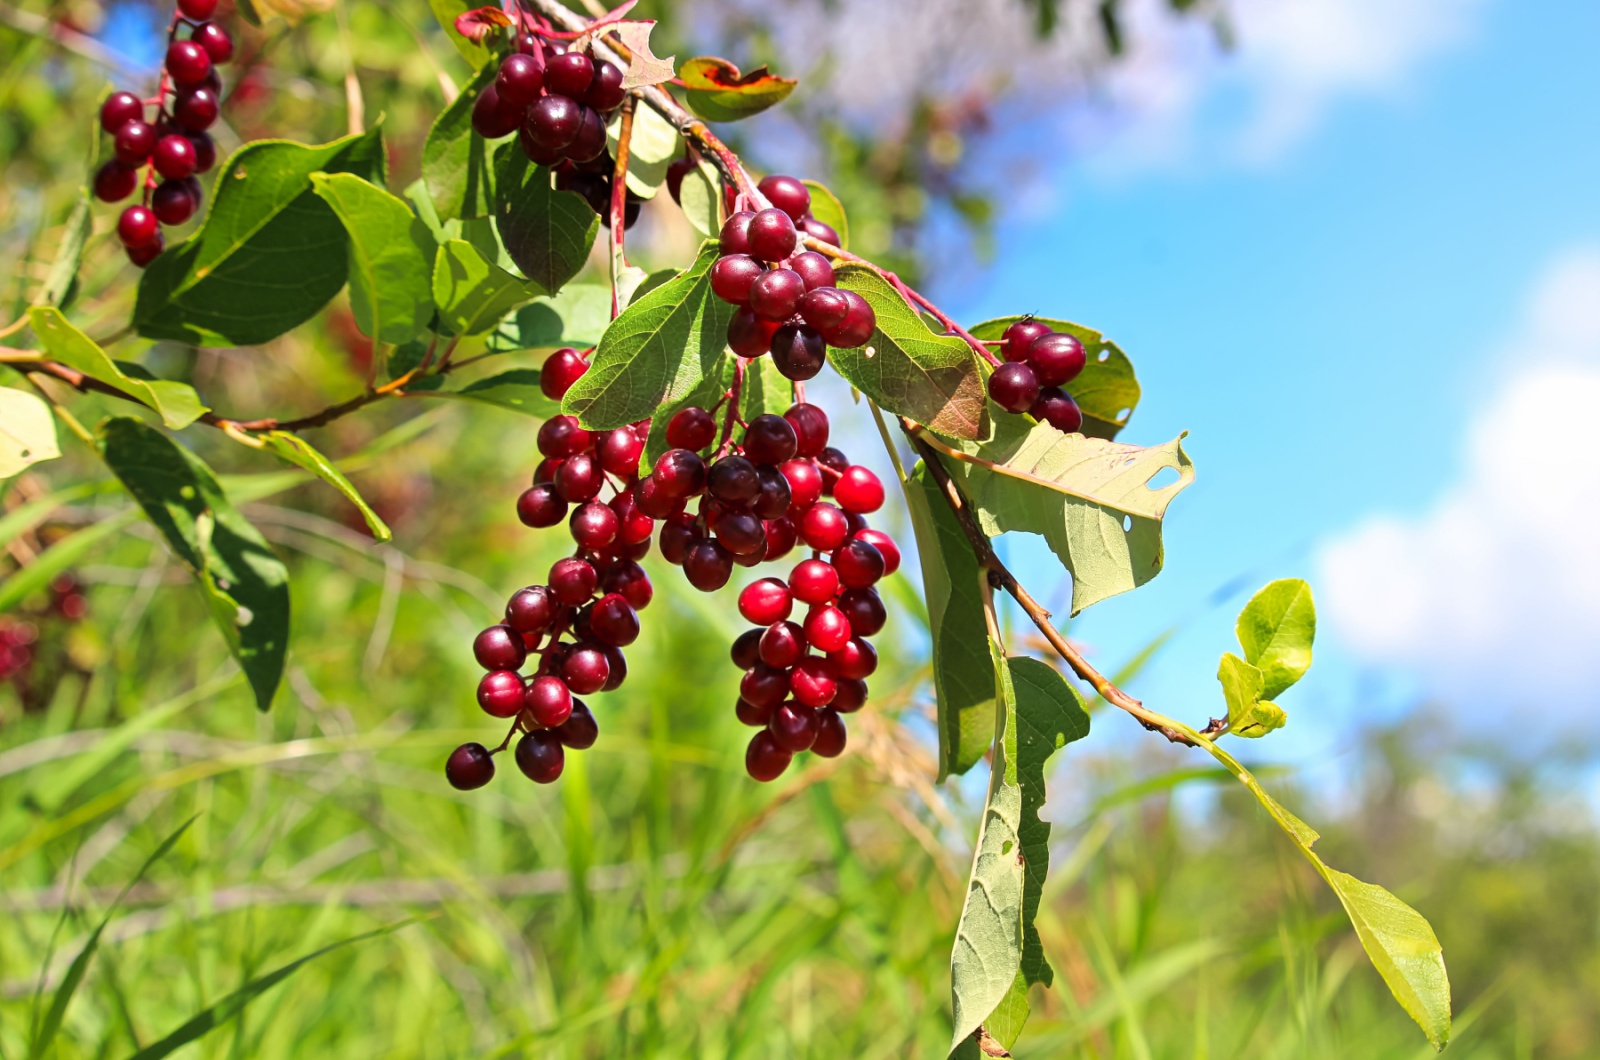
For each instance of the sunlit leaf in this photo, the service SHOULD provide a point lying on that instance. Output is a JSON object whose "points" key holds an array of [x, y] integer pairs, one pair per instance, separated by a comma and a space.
{"points": [[177, 403], [652, 145], [456, 162], [717, 91], [826, 207], [1275, 630], [548, 233], [471, 292], [27, 431], [391, 257], [296, 450]]}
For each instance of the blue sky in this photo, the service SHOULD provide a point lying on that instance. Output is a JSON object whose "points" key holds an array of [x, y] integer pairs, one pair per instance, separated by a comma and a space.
{"points": [[1328, 315]]}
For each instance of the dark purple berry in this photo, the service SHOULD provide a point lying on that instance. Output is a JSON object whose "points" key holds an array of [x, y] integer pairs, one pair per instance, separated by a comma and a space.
{"points": [[519, 79], [787, 194], [469, 766], [1014, 386], [798, 351], [540, 756], [772, 235], [119, 109]]}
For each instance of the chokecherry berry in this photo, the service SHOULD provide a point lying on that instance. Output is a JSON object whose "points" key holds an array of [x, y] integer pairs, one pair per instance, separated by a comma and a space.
{"points": [[205, 152], [733, 481], [691, 428], [605, 91], [469, 766], [500, 693], [187, 63], [782, 645], [857, 326], [849, 696], [812, 682], [775, 294], [569, 74], [814, 269], [593, 524], [590, 144], [519, 79], [735, 235], [1056, 358], [858, 490], [750, 714], [499, 648], [763, 685], [580, 730], [750, 335], [772, 235], [823, 527], [856, 660], [885, 546], [733, 276], [145, 253], [810, 425], [1056, 407], [1014, 386], [216, 42], [831, 734], [541, 506], [817, 230], [573, 580], [133, 142], [764, 760], [174, 157], [765, 602], [680, 474], [137, 226], [620, 451], [531, 610], [119, 109], [859, 564], [586, 669], [195, 109], [787, 194], [614, 621], [115, 181], [561, 436], [548, 700], [628, 580], [798, 351], [633, 526], [540, 756], [865, 610], [553, 121], [780, 538], [827, 628], [814, 582], [805, 484], [742, 534], [560, 370], [794, 727], [708, 566], [493, 116], [746, 650], [1019, 337]]}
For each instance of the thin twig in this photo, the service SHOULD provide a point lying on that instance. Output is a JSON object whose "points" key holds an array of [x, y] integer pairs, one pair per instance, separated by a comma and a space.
{"points": [[619, 201]]}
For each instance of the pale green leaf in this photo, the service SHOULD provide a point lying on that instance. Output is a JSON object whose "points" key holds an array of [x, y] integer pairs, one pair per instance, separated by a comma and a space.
{"points": [[296, 450], [700, 196], [1249, 715], [548, 233], [826, 207], [576, 317], [391, 257], [652, 146], [177, 403], [473, 293], [1275, 630], [765, 390], [27, 431], [456, 163], [1106, 390]]}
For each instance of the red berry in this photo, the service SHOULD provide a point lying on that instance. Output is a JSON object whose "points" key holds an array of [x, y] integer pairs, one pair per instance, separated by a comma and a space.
{"points": [[794, 727], [814, 269], [174, 157], [197, 10], [205, 152], [676, 541], [541, 757], [885, 546], [831, 734], [531, 610], [633, 526], [1056, 407], [548, 700], [137, 226], [735, 235], [787, 194], [680, 474], [119, 109], [1056, 358], [493, 116], [500, 693], [1019, 337], [553, 121], [805, 484], [499, 648], [579, 731], [798, 351], [823, 527], [133, 142], [216, 42], [586, 669], [810, 425], [590, 144], [856, 660], [859, 564], [580, 477], [593, 524], [865, 610], [733, 276], [764, 686], [742, 534], [813, 582], [541, 506], [569, 75], [561, 369], [764, 760], [469, 766], [750, 714], [827, 628], [708, 566], [145, 253], [188, 63], [750, 335], [1014, 386], [628, 580], [850, 696], [195, 109], [115, 181], [573, 580], [857, 326], [858, 490], [614, 621], [781, 645], [813, 683], [605, 91], [691, 428], [780, 538], [733, 481], [817, 230], [775, 294], [765, 602], [772, 235], [519, 79], [620, 451]]}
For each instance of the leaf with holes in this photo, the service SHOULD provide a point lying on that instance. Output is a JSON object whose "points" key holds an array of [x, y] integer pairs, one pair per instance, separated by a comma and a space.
{"points": [[652, 146], [27, 431], [295, 450], [717, 91], [660, 349], [644, 69], [456, 163], [473, 293], [1275, 630], [228, 285], [548, 233], [931, 379], [578, 316], [391, 257], [177, 403], [1106, 390], [826, 207], [1090, 498], [246, 586]]}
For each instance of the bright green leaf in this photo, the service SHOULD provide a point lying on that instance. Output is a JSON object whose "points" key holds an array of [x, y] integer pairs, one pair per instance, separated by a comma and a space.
{"points": [[576, 317], [700, 196], [931, 379], [296, 450], [246, 585], [1249, 715], [1106, 390], [1275, 630], [455, 160], [548, 233], [826, 207], [652, 146], [517, 390], [391, 257], [27, 431], [229, 284], [471, 292], [657, 351], [765, 390], [717, 91], [177, 403]]}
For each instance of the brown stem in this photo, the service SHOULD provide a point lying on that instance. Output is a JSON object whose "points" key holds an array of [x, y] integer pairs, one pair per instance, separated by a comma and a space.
{"points": [[619, 201]]}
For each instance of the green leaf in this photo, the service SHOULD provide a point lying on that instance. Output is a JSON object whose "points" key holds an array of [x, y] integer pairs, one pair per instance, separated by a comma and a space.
{"points": [[1106, 390], [455, 160], [231, 1006], [931, 379], [548, 233], [391, 257], [270, 253], [963, 678], [61, 282], [246, 585], [471, 292], [717, 91], [1249, 715], [422, 201], [446, 12], [700, 196], [718, 379], [517, 390], [826, 207], [996, 943], [652, 146], [765, 390], [27, 431], [576, 317], [1087, 496], [177, 403], [659, 349], [51, 1024], [1275, 630], [299, 452]]}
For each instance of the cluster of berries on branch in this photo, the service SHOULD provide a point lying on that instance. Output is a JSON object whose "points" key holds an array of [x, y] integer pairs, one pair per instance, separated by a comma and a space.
{"points": [[788, 304], [175, 147], [1038, 363]]}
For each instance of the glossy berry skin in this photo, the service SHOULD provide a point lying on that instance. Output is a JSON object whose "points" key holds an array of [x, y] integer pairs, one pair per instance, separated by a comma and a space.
{"points": [[810, 425], [553, 121], [831, 734], [805, 484], [849, 695], [561, 436], [814, 269], [823, 527], [750, 335], [817, 230], [858, 490], [859, 564], [794, 727], [824, 308], [633, 526], [676, 541], [579, 731], [605, 91], [620, 451], [1056, 407], [614, 621], [782, 645], [742, 535], [865, 610], [775, 497], [590, 144], [548, 700], [133, 142], [579, 478], [137, 226], [788, 194], [733, 481], [569, 75], [1020, 336], [594, 525], [115, 181], [765, 602], [680, 474], [857, 326], [1014, 387], [541, 506], [586, 669], [145, 253], [560, 370], [499, 648], [469, 766], [750, 714], [885, 546], [708, 566], [188, 63], [733, 276], [735, 235], [835, 461], [500, 693], [531, 610], [827, 628], [798, 352], [746, 650], [573, 580], [119, 109], [1056, 358], [812, 682], [494, 117], [205, 152], [174, 157], [628, 580], [856, 660], [196, 109], [775, 294], [780, 539], [691, 428], [541, 757], [813, 581], [772, 235], [216, 42], [764, 760], [519, 79], [764, 686]]}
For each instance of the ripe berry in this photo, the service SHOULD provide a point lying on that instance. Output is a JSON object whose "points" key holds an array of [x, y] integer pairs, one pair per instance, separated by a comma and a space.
{"points": [[856, 660], [732, 277], [810, 425], [605, 91], [145, 253], [813, 582], [885, 546], [573, 580], [499, 648], [859, 564], [805, 484], [590, 144], [835, 461], [569, 75], [548, 700], [216, 42], [133, 142], [493, 116], [691, 428], [500, 693], [553, 121], [119, 109], [865, 610], [561, 369], [750, 714], [775, 497], [1056, 407], [823, 527], [188, 63], [593, 524], [195, 109], [750, 335], [742, 535], [197, 10], [586, 669], [733, 481], [1020, 336], [824, 308], [746, 650], [774, 294], [763, 685], [782, 644], [817, 230], [519, 79], [735, 235], [814, 269], [849, 696], [708, 566], [205, 152], [579, 478], [812, 682], [174, 157], [780, 538], [1056, 358], [787, 194], [633, 526], [115, 181], [798, 351], [541, 506], [858, 490], [764, 760], [628, 580], [680, 474], [580, 730], [618, 664], [765, 602], [830, 733], [561, 436], [137, 226], [676, 541], [614, 621], [794, 727], [469, 766], [650, 500], [857, 326], [827, 628], [541, 757], [1014, 386], [772, 235], [531, 610], [619, 452]]}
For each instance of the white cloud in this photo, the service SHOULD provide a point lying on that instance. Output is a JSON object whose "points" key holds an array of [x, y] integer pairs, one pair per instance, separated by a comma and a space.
{"points": [[1492, 597]]}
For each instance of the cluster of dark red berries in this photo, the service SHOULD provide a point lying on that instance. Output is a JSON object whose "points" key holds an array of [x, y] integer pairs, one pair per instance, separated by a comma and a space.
{"points": [[175, 147], [788, 305], [1038, 362], [32, 645]]}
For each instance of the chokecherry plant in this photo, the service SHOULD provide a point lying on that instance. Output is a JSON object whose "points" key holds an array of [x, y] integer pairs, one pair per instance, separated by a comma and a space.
{"points": [[679, 422]]}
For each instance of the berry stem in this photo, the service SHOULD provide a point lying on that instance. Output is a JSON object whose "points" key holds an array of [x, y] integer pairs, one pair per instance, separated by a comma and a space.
{"points": [[619, 201], [732, 415]]}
